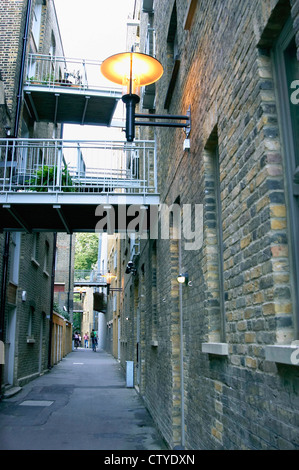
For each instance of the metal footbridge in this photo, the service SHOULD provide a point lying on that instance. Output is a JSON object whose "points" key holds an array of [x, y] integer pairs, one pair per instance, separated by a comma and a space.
{"points": [[75, 186]]}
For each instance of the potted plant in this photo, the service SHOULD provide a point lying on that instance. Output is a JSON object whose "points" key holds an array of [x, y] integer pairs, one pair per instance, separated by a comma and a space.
{"points": [[45, 179]]}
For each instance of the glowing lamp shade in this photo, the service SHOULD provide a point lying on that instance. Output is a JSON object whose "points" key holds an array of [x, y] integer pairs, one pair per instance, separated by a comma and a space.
{"points": [[132, 70], [109, 277]]}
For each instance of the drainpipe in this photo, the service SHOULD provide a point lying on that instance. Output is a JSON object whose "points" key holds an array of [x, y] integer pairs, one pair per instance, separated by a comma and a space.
{"points": [[22, 69], [181, 354], [52, 301], [3, 295], [15, 135], [70, 276]]}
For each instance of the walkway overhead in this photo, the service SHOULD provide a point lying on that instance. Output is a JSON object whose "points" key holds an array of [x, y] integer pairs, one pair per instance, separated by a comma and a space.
{"points": [[75, 186], [62, 90], [89, 279]]}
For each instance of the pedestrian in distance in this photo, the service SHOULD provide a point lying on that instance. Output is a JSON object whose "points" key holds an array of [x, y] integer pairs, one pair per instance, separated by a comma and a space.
{"points": [[76, 340], [93, 336], [86, 338]]}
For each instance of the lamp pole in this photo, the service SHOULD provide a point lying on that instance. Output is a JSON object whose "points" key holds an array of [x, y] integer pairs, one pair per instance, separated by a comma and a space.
{"points": [[130, 101]]}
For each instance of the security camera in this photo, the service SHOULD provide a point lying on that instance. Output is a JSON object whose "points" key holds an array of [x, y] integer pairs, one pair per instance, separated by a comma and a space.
{"points": [[130, 268]]}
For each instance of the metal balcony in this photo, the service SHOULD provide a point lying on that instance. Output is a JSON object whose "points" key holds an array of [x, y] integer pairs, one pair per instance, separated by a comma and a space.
{"points": [[57, 185], [71, 91], [89, 279]]}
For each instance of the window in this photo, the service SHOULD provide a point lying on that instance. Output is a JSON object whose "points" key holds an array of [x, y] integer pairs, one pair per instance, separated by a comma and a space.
{"points": [[172, 38], [115, 260], [173, 62], [35, 247], [287, 84], [52, 51], [37, 18], [46, 258], [30, 323], [14, 257], [214, 303], [154, 294], [190, 14]]}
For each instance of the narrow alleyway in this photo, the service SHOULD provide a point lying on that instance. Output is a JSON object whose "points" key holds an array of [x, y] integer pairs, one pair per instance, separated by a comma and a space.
{"points": [[83, 404]]}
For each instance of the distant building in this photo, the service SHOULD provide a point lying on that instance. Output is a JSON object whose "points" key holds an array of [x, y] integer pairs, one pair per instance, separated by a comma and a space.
{"points": [[64, 273]]}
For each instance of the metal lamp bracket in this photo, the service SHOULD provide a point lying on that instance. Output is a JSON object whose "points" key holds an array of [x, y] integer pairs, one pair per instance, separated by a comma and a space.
{"points": [[170, 123], [168, 120]]}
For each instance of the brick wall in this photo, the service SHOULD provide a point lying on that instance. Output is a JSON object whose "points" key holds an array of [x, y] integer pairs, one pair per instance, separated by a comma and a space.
{"points": [[35, 279], [239, 401], [31, 354], [11, 32]]}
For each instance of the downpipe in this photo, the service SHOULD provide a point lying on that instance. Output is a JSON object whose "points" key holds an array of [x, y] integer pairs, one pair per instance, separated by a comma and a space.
{"points": [[52, 301], [3, 295], [22, 69], [181, 355]]}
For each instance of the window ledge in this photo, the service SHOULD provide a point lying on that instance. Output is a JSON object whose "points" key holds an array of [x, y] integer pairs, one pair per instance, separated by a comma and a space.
{"points": [[30, 340], [34, 262], [154, 343], [219, 349], [45, 273], [283, 354]]}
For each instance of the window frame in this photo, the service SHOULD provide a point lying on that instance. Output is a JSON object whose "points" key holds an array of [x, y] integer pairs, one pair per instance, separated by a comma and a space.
{"points": [[288, 150]]}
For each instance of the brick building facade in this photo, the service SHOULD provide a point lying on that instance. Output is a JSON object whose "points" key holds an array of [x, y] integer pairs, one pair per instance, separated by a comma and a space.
{"points": [[26, 26], [215, 360]]}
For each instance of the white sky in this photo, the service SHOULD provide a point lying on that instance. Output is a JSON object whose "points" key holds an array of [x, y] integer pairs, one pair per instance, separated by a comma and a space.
{"points": [[93, 30]]}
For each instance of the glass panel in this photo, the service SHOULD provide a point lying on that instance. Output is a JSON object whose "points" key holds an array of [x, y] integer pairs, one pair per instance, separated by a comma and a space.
{"points": [[292, 73]]}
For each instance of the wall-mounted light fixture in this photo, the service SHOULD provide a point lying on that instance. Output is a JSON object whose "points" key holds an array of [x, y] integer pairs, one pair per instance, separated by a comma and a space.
{"points": [[184, 279], [133, 70], [109, 277]]}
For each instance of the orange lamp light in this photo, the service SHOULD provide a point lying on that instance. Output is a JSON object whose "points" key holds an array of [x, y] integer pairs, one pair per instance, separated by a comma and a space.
{"points": [[109, 277], [132, 70]]}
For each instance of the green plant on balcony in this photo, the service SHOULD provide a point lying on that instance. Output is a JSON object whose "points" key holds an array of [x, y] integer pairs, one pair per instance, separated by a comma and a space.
{"points": [[48, 79], [32, 80], [46, 179]]}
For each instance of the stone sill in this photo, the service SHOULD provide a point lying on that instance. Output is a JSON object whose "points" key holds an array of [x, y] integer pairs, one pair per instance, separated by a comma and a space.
{"points": [[154, 343], [30, 340], [219, 349], [34, 262], [283, 354]]}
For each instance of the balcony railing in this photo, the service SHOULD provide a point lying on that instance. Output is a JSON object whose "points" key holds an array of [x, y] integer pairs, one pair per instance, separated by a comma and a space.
{"points": [[81, 276], [40, 165], [51, 72]]}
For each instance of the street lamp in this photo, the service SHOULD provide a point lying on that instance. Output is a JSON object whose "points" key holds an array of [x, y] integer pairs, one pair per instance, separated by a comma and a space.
{"points": [[133, 70], [109, 277]]}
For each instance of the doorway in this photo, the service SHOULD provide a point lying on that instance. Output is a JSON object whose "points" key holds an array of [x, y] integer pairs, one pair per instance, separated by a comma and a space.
{"points": [[10, 346]]}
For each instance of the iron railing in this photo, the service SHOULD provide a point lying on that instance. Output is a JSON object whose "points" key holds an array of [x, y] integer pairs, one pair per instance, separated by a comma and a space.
{"points": [[89, 276], [51, 72], [35, 165]]}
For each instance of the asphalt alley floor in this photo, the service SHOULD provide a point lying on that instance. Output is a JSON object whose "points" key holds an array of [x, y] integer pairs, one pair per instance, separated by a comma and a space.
{"points": [[81, 404]]}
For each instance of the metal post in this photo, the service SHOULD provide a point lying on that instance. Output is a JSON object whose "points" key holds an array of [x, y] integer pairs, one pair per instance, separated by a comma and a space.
{"points": [[52, 301], [130, 100], [3, 294]]}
